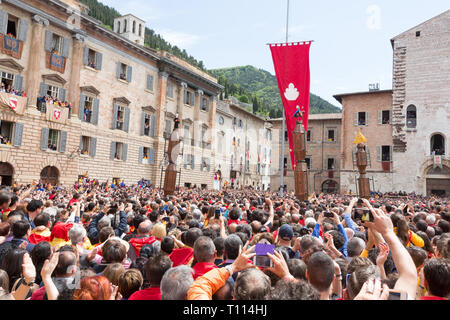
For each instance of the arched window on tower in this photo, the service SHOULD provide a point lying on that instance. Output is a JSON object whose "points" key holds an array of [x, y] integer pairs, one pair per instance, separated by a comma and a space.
{"points": [[437, 144], [118, 26], [411, 116]]}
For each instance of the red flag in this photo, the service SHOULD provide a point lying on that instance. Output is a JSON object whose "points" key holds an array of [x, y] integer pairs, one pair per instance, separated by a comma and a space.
{"points": [[291, 62]]}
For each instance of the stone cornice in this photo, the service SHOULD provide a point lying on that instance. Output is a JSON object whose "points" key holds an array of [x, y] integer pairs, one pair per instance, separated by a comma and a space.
{"points": [[39, 20]]}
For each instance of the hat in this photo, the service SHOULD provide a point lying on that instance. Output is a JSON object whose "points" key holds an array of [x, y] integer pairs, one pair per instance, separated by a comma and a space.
{"points": [[286, 232]]}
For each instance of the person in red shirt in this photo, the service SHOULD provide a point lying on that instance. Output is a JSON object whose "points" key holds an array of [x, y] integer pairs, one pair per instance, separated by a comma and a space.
{"points": [[204, 254], [155, 267], [184, 255]]}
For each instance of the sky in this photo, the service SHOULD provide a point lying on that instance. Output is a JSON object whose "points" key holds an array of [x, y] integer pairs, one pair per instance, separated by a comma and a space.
{"points": [[351, 47]]}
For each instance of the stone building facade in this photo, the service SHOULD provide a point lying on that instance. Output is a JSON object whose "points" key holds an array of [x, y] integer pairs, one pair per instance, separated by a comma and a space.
{"points": [[369, 112], [123, 99], [323, 147], [421, 107]]}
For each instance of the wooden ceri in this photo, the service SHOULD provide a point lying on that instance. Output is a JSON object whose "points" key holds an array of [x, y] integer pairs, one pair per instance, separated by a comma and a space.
{"points": [[361, 163], [172, 152], [300, 168]]}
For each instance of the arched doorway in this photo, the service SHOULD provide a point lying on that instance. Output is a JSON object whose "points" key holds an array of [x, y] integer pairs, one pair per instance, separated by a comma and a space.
{"points": [[6, 174], [329, 186], [438, 181], [50, 175]]}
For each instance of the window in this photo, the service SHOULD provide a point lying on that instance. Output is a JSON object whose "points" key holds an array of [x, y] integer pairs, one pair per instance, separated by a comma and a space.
{"points": [[331, 135], [286, 136], [362, 121], [186, 135], [147, 119], [167, 127], [145, 155], [189, 97], [417, 33], [219, 142], [57, 44], [308, 162], [170, 90], [123, 71], [92, 59], [385, 117], [119, 154], [308, 135], [11, 28], [88, 108], [7, 79], [150, 82], [204, 104], [221, 120], [330, 164], [53, 92], [140, 30], [6, 132], [269, 135], [189, 161], [437, 144], [247, 165], [85, 145], [53, 139], [120, 117], [118, 27], [241, 125], [386, 153], [134, 27], [125, 25], [411, 116]]}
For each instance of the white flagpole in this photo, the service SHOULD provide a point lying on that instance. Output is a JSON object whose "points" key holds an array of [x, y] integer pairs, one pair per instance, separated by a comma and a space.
{"points": [[284, 118]]}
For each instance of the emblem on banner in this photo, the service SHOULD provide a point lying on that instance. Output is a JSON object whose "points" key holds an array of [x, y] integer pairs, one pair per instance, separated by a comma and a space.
{"points": [[57, 114], [291, 92], [13, 103]]}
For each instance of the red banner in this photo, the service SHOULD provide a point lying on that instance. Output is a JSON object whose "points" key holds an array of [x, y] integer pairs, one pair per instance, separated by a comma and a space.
{"points": [[291, 62]]}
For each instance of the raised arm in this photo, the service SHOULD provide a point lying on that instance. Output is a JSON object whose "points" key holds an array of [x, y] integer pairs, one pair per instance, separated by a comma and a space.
{"points": [[271, 211]]}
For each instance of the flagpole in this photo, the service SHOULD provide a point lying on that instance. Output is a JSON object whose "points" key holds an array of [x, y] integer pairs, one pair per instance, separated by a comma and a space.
{"points": [[284, 118]]}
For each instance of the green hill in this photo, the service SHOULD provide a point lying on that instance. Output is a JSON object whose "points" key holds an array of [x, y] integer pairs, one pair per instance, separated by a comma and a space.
{"points": [[250, 85], [262, 84]]}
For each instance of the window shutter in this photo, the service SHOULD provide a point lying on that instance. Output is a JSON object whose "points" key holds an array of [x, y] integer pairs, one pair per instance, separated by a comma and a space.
{"points": [[125, 151], [152, 126], [141, 154], [367, 118], [126, 120], [355, 118], [390, 153], [95, 111], [201, 103], [3, 21], [115, 110], [48, 40], [378, 153], [143, 124], [208, 164], [44, 139], [99, 60], [380, 117], [129, 73], [18, 134], [119, 67], [93, 150], [81, 108], [43, 89], [150, 82], [66, 47], [390, 116], [63, 141], [186, 161], [193, 162], [81, 142], [86, 56], [113, 150], [23, 30], [185, 96], [207, 104], [151, 156], [62, 94], [192, 99], [18, 82]]}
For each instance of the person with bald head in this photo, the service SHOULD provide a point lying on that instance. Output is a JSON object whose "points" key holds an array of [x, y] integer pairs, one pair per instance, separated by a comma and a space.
{"points": [[232, 228], [143, 238]]}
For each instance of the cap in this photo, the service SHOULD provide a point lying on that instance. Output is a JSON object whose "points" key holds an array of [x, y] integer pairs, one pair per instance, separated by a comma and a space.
{"points": [[286, 232]]}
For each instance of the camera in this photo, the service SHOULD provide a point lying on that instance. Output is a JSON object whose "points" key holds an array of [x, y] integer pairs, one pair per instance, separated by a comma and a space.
{"points": [[328, 214]]}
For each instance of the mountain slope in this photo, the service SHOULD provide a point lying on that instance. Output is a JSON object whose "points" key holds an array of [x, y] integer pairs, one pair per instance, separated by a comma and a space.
{"points": [[264, 85]]}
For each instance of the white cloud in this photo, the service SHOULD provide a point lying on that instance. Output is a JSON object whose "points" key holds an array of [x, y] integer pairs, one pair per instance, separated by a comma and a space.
{"points": [[180, 39]]}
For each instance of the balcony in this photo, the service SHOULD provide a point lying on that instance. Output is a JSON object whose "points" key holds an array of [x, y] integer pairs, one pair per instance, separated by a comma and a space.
{"points": [[386, 165]]}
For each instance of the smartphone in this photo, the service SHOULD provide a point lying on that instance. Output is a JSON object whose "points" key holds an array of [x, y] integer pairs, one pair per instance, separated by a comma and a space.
{"points": [[405, 211], [217, 213], [261, 259], [367, 216], [328, 214], [397, 295]]}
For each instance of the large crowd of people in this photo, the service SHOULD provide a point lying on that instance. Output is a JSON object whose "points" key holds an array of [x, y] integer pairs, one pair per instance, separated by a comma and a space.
{"points": [[95, 241]]}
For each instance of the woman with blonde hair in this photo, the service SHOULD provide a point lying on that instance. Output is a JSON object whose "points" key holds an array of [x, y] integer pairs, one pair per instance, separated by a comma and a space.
{"points": [[159, 231]]}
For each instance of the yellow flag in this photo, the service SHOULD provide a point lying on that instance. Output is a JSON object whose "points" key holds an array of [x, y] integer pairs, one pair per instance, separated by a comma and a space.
{"points": [[359, 137]]}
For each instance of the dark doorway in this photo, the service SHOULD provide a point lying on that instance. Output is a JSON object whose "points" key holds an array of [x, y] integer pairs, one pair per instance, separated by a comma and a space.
{"points": [[329, 186], [50, 175], [6, 174]]}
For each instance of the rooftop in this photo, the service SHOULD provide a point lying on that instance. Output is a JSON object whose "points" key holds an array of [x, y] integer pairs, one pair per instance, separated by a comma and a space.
{"points": [[339, 97]]}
